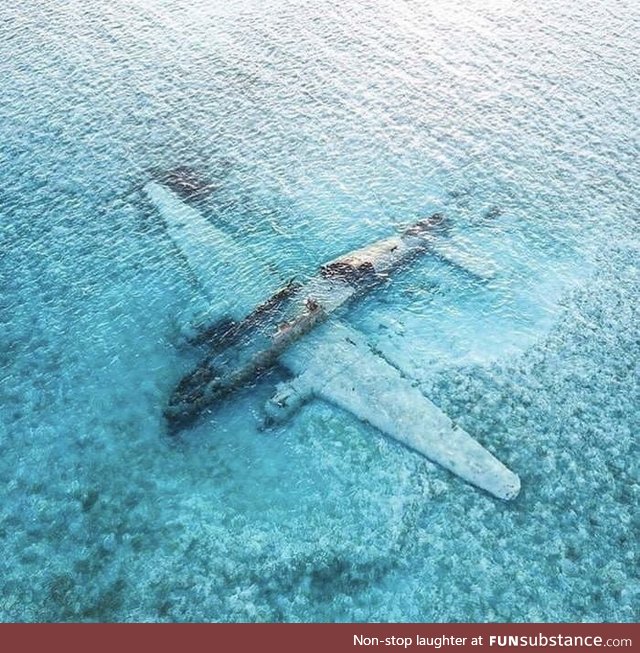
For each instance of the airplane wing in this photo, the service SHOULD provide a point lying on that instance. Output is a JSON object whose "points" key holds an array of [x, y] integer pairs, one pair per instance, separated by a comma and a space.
{"points": [[335, 363], [215, 258]]}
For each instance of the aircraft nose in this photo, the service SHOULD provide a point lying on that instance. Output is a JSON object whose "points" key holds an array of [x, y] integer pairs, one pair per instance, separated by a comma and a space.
{"points": [[177, 420]]}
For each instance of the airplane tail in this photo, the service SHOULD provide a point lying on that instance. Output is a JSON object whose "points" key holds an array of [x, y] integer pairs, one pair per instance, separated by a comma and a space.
{"points": [[458, 255]]}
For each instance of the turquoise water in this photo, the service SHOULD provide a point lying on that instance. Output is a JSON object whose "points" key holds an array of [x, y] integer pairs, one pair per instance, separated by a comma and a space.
{"points": [[323, 126]]}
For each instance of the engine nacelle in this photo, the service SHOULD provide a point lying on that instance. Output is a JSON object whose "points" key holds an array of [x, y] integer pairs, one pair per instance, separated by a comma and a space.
{"points": [[290, 396]]}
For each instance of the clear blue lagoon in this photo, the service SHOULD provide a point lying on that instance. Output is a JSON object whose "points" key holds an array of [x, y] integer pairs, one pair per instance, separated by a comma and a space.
{"points": [[323, 126]]}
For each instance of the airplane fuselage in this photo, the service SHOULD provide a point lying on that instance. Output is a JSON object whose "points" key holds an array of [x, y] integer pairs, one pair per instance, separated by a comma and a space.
{"points": [[238, 352]]}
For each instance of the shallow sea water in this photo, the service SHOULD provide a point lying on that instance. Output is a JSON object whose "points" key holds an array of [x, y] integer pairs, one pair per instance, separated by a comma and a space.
{"points": [[324, 125]]}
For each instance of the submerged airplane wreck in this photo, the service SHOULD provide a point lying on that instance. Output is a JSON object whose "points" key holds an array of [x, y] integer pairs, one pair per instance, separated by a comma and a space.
{"points": [[298, 328]]}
